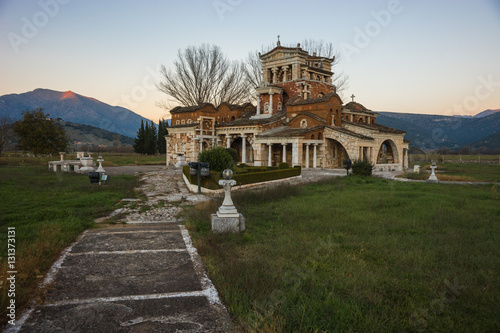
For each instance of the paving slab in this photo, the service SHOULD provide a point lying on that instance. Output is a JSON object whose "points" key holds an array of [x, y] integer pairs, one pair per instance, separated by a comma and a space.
{"points": [[175, 314], [118, 274], [127, 240]]}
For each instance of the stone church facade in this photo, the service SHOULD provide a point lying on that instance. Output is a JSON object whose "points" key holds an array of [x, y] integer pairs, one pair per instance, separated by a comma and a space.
{"points": [[299, 119]]}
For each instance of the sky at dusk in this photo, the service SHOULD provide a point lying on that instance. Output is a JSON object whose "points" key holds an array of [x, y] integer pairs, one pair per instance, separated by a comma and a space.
{"points": [[436, 57]]}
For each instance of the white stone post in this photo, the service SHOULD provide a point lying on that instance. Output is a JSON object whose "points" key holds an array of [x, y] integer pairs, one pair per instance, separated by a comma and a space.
{"points": [[228, 141], [258, 105], [315, 145], [271, 103], [269, 156], [284, 152], [307, 155], [243, 148]]}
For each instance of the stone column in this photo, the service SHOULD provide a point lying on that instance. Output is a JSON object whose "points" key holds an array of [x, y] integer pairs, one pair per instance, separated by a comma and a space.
{"points": [[284, 152], [285, 72], [295, 153], [201, 144], [228, 141], [274, 70], [307, 155], [405, 158], [270, 103], [315, 145], [258, 105], [269, 156], [243, 148], [167, 137]]}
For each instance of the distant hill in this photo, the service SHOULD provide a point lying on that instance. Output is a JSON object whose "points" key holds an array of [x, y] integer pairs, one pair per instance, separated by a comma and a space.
{"points": [[73, 108], [491, 141], [92, 136], [435, 131], [481, 114], [84, 135]]}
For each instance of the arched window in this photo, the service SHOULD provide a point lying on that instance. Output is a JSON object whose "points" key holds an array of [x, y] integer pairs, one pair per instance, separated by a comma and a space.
{"points": [[177, 122], [232, 118], [312, 136], [280, 106], [183, 121], [189, 121], [320, 137], [303, 123]]}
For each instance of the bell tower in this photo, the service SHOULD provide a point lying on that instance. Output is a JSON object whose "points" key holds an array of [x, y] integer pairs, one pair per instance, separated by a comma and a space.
{"points": [[288, 72]]}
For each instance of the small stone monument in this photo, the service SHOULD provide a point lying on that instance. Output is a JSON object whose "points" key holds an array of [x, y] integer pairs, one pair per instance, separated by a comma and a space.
{"points": [[181, 161], [227, 218], [433, 178], [416, 168], [87, 164], [100, 169]]}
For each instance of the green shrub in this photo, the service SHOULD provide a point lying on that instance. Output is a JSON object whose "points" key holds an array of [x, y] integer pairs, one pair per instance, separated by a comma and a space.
{"points": [[233, 153], [218, 157], [257, 177], [186, 170], [283, 166], [242, 165], [362, 168]]}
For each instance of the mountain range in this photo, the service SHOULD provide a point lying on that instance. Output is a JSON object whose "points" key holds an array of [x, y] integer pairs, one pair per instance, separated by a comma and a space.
{"points": [[424, 131], [74, 108], [429, 132]]}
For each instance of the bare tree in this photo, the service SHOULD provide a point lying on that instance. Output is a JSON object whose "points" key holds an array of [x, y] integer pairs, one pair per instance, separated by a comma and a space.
{"points": [[253, 69], [4, 132], [204, 75]]}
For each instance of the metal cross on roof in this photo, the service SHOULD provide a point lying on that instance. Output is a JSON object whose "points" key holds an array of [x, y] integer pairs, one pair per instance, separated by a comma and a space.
{"points": [[352, 96]]}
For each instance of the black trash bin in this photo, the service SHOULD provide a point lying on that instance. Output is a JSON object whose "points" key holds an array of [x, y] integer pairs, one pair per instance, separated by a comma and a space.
{"points": [[94, 177]]}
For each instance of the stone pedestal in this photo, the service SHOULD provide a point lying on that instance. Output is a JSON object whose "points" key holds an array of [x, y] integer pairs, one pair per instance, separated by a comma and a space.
{"points": [[86, 164], [181, 161], [433, 178], [100, 169], [227, 218]]}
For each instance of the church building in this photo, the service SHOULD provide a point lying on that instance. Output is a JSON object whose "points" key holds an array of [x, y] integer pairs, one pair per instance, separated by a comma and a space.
{"points": [[299, 119]]}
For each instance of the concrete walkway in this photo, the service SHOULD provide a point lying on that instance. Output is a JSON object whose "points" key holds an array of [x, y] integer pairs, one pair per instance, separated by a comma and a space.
{"points": [[143, 276]]}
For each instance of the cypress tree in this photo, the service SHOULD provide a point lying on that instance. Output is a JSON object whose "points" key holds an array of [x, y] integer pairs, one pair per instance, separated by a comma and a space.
{"points": [[139, 141], [162, 131]]}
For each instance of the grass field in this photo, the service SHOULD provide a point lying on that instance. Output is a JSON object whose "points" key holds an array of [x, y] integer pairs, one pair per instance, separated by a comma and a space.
{"points": [[48, 210], [110, 159], [359, 255], [460, 172], [465, 158]]}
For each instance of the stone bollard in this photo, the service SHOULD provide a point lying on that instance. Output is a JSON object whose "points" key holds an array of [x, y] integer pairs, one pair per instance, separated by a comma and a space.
{"points": [[100, 169], [433, 178], [227, 218]]}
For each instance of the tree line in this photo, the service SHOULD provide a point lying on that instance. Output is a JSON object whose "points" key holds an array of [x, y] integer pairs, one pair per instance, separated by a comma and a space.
{"points": [[150, 139]]}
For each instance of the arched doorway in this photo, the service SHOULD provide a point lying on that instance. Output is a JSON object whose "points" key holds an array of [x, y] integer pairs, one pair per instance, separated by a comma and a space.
{"points": [[388, 153], [237, 145], [336, 154]]}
